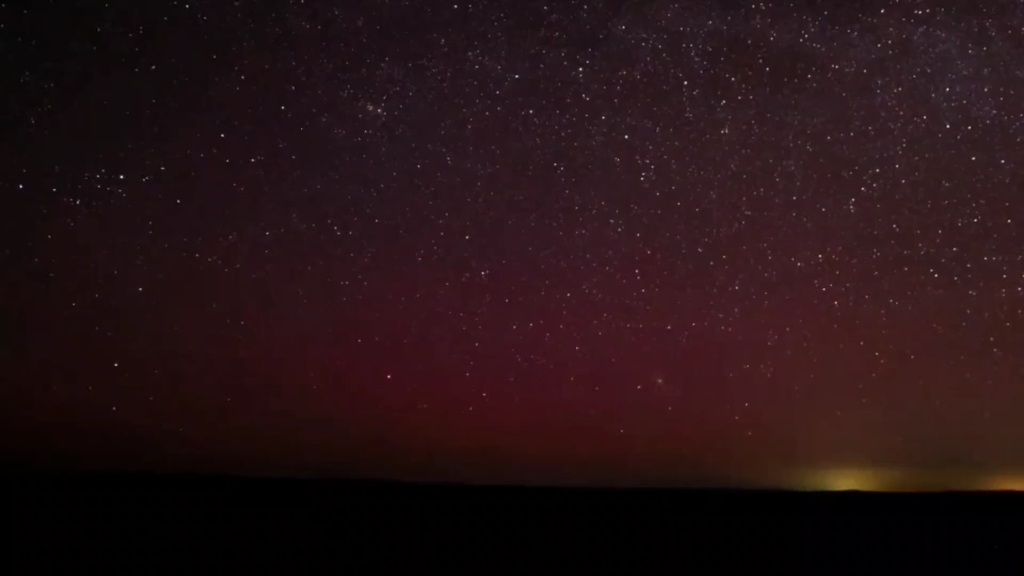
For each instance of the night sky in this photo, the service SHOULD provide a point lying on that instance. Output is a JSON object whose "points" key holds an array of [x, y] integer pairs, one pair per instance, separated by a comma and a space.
{"points": [[622, 242]]}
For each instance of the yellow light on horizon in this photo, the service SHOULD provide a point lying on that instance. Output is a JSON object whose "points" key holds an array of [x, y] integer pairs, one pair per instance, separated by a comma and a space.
{"points": [[865, 480], [898, 480], [1011, 483], [841, 479]]}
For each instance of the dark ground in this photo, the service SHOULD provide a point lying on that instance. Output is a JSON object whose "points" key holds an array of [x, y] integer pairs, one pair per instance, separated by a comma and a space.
{"points": [[83, 515]]}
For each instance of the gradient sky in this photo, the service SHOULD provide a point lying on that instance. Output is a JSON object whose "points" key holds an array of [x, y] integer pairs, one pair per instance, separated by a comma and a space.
{"points": [[630, 241]]}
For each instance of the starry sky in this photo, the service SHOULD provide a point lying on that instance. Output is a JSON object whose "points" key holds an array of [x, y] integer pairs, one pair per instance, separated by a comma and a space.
{"points": [[520, 241]]}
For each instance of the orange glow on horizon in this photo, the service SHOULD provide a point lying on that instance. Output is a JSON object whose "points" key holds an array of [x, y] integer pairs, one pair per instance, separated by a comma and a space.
{"points": [[841, 479], [1014, 483], [898, 480]]}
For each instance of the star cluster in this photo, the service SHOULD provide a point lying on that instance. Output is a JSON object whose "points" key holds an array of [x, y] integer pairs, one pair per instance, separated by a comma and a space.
{"points": [[616, 241]]}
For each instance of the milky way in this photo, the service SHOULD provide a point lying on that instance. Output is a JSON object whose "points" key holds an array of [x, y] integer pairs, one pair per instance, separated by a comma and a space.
{"points": [[621, 241]]}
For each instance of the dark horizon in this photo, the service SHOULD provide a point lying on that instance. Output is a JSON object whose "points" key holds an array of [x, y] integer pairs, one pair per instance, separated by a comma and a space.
{"points": [[143, 458]]}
